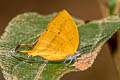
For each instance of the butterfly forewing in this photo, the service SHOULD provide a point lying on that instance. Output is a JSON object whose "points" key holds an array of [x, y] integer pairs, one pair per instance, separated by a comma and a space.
{"points": [[60, 39]]}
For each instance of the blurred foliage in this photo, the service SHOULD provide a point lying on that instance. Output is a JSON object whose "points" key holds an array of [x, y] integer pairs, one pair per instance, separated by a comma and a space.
{"points": [[112, 4]]}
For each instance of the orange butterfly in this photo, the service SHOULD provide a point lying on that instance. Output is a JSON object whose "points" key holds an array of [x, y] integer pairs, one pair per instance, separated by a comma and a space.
{"points": [[59, 41]]}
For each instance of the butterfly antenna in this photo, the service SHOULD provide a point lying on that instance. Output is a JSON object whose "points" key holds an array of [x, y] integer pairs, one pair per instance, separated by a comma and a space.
{"points": [[86, 46], [78, 53]]}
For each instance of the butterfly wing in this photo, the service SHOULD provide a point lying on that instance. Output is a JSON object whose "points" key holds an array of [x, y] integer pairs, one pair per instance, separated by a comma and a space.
{"points": [[59, 40]]}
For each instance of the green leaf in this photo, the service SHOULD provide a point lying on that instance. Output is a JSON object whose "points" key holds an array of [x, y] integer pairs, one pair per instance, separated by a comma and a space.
{"points": [[26, 28]]}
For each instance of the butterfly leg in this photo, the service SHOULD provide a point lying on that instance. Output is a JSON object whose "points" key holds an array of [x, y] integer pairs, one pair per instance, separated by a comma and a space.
{"points": [[76, 54], [69, 58], [73, 57]]}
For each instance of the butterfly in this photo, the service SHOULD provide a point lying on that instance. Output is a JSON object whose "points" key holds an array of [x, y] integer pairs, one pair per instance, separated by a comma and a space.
{"points": [[58, 42]]}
